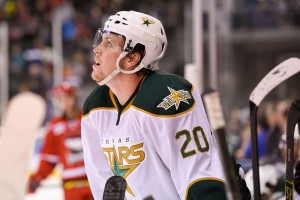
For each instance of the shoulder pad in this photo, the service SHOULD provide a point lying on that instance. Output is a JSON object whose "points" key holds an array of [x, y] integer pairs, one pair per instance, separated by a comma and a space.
{"points": [[164, 94]]}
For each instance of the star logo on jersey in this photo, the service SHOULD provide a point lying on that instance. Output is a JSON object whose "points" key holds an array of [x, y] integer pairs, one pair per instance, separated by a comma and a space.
{"points": [[147, 21], [123, 156], [174, 99], [123, 171]]}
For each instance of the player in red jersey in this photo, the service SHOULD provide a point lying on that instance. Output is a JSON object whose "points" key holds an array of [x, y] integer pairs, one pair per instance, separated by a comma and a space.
{"points": [[62, 145]]}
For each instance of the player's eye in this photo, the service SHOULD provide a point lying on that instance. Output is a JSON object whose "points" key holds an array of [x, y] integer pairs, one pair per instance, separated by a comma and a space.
{"points": [[108, 43]]}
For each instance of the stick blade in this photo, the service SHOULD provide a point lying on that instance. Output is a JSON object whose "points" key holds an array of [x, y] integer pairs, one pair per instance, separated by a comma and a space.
{"points": [[276, 76], [214, 110]]}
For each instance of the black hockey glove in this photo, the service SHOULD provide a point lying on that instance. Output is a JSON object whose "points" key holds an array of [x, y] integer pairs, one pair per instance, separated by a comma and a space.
{"points": [[33, 186], [115, 188], [297, 177], [245, 192], [33, 183]]}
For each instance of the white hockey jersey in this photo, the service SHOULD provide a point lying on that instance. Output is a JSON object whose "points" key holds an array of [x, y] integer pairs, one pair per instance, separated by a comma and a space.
{"points": [[159, 141]]}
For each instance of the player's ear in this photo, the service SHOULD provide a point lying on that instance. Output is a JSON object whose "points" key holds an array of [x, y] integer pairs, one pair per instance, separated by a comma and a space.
{"points": [[134, 58]]}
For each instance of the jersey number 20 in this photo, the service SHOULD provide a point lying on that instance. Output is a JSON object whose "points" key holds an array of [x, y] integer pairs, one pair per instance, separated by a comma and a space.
{"points": [[198, 136]]}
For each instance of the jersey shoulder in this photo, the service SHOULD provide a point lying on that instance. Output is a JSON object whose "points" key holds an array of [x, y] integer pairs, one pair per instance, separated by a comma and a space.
{"points": [[99, 98], [164, 94]]}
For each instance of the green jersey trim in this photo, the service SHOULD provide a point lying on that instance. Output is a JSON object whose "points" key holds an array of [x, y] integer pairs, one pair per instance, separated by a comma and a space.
{"points": [[159, 94], [163, 94], [99, 99], [164, 116], [206, 188]]}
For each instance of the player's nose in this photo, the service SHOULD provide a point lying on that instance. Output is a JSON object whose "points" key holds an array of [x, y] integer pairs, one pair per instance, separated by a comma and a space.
{"points": [[97, 49]]}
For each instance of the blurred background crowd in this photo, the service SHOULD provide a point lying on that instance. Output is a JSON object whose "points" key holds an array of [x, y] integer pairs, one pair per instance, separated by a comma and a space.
{"points": [[30, 33], [30, 36], [253, 37]]}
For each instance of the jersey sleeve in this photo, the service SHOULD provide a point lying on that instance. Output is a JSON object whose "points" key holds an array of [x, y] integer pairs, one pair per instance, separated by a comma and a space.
{"points": [[188, 149], [94, 159], [48, 156]]}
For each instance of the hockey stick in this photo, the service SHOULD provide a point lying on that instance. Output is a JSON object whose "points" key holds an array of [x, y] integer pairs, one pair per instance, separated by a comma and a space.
{"points": [[276, 76], [115, 188], [293, 118], [216, 119]]}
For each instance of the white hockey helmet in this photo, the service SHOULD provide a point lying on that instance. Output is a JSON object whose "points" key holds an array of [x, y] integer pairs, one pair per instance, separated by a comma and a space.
{"points": [[139, 28]]}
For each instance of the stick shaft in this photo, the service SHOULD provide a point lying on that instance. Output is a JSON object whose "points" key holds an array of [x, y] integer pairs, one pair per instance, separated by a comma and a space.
{"points": [[292, 119], [254, 150], [215, 115], [229, 168]]}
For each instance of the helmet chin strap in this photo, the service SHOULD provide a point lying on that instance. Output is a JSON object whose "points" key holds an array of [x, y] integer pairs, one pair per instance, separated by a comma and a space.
{"points": [[119, 69]]}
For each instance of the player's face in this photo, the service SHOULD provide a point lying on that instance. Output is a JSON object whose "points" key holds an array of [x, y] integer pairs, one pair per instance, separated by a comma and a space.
{"points": [[106, 55], [66, 102]]}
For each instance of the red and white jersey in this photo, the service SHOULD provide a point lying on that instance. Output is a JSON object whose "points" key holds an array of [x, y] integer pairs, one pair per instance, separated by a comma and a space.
{"points": [[62, 144], [160, 141]]}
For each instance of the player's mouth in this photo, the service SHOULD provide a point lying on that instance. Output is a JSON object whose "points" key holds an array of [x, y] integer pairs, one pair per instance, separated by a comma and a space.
{"points": [[96, 65]]}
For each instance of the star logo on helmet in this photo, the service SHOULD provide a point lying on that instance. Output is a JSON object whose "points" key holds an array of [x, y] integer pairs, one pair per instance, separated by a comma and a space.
{"points": [[147, 21], [174, 99]]}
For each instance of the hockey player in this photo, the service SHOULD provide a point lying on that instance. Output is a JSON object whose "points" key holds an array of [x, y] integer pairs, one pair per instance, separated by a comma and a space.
{"points": [[62, 145], [143, 124]]}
